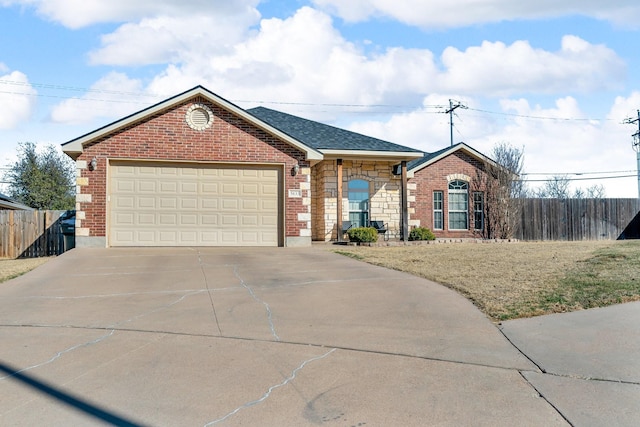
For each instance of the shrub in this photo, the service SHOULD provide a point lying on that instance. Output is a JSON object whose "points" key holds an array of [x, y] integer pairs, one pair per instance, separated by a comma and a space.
{"points": [[363, 234], [421, 233]]}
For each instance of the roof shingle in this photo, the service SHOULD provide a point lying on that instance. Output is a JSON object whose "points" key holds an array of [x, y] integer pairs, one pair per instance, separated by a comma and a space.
{"points": [[320, 136]]}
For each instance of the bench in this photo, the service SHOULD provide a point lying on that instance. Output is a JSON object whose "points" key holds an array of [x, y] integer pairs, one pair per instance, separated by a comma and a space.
{"points": [[381, 228], [346, 225]]}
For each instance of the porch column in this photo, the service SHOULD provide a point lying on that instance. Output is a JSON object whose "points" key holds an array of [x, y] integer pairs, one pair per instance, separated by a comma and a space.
{"points": [[339, 200], [404, 232]]}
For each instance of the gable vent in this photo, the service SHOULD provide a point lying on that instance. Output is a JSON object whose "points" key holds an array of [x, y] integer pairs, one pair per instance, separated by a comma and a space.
{"points": [[199, 117]]}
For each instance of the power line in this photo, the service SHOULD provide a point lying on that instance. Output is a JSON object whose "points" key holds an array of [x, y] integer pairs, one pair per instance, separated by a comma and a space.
{"points": [[453, 105], [577, 179], [152, 95], [526, 116], [76, 89], [636, 143], [574, 173], [450, 111]]}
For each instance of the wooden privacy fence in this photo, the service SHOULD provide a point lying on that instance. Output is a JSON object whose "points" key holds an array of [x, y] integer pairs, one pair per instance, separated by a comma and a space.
{"points": [[579, 219], [30, 234]]}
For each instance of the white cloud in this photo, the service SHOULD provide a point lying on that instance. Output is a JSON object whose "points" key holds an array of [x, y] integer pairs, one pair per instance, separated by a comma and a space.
{"points": [[459, 13], [115, 95], [172, 39], [17, 98], [303, 59], [426, 128], [499, 70], [554, 141], [321, 66], [82, 13]]}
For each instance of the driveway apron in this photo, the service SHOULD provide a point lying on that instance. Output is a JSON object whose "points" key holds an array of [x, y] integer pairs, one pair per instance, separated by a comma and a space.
{"points": [[252, 336]]}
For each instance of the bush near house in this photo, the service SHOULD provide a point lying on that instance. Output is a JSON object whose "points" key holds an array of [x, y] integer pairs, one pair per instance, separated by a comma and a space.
{"points": [[421, 233], [363, 235]]}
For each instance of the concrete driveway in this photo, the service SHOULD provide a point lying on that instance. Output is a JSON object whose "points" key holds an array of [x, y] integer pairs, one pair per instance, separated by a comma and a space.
{"points": [[269, 337]]}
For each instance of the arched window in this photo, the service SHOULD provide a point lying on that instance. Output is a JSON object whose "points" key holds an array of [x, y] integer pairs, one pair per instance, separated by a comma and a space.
{"points": [[458, 205], [359, 202]]}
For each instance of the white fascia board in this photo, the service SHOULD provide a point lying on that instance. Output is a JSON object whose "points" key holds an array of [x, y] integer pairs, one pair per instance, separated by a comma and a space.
{"points": [[365, 154], [452, 150], [76, 146]]}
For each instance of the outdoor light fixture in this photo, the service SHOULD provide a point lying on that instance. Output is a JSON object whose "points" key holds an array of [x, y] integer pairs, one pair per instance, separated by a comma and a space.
{"points": [[93, 165], [295, 169]]}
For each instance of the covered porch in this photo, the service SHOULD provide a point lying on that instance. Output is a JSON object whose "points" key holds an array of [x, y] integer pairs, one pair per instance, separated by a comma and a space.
{"points": [[357, 191]]}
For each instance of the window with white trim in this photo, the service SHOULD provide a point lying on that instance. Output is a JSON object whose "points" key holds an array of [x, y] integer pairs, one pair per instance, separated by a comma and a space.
{"points": [[458, 205], [438, 210]]}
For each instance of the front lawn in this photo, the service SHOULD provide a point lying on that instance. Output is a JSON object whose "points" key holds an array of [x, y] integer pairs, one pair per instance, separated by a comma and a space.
{"points": [[12, 268], [523, 279]]}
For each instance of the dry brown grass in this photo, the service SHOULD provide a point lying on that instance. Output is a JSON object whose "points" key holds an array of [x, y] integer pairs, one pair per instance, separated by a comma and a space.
{"points": [[12, 268], [509, 280]]}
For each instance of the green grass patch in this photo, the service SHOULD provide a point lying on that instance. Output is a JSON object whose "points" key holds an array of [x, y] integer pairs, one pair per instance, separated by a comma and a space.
{"points": [[350, 255], [610, 276]]}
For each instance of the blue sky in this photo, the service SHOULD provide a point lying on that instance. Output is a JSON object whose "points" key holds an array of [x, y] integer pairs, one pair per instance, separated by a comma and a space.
{"points": [[554, 78]]}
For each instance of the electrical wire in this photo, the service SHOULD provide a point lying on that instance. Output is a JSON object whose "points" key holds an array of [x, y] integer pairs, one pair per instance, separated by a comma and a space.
{"points": [[262, 102], [577, 179], [575, 173], [526, 116]]}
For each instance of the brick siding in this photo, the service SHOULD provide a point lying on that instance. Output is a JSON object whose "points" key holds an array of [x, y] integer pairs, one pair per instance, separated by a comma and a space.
{"points": [[434, 178], [165, 136]]}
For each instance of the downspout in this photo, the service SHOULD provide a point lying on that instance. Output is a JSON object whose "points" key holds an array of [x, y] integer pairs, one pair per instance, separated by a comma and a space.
{"points": [[404, 233], [339, 200]]}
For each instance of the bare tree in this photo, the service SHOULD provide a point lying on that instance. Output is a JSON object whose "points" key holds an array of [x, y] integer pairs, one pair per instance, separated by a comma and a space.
{"points": [[596, 191], [500, 181], [578, 194], [555, 188], [558, 188]]}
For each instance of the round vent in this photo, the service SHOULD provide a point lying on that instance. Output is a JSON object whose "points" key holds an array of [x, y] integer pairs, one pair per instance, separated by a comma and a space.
{"points": [[199, 117]]}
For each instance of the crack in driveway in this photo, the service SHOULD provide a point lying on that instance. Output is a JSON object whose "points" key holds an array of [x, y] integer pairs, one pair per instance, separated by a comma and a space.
{"points": [[266, 395], [254, 296]]}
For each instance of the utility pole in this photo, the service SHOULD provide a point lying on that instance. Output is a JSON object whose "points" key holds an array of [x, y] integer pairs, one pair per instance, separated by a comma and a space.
{"points": [[636, 145], [450, 111]]}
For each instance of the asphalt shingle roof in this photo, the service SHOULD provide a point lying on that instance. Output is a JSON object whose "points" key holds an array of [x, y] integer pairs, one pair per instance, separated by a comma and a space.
{"points": [[427, 156], [320, 136]]}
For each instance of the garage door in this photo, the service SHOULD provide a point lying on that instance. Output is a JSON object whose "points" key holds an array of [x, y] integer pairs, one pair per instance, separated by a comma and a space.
{"points": [[169, 205]]}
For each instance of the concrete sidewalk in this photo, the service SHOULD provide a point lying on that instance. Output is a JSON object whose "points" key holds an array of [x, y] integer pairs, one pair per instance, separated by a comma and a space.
{"points": [[227, 336], [590, 360]]}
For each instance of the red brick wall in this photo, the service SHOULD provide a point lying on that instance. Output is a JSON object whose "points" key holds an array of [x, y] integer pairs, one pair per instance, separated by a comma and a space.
{"points": [[434, 178], [167, 136]]}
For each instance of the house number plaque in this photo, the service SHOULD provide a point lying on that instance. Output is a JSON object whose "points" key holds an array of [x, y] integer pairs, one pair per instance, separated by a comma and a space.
{"points": [[295, 193]]}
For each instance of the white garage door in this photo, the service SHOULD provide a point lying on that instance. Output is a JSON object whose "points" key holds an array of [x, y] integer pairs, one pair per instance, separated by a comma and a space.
{"points": [[178, 205]]}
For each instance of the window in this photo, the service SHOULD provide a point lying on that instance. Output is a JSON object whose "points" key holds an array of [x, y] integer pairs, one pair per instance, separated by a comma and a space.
{"points": [[359, 202], [438, 210], [458, 205], [478, 210]]}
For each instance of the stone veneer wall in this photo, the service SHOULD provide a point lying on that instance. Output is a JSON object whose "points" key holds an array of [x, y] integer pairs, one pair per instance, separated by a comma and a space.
{"points": [[384, 190]]}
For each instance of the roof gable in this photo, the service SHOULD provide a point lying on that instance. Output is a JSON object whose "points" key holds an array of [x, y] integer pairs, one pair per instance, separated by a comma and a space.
{"points": [[430, 158], [75, 147]]}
